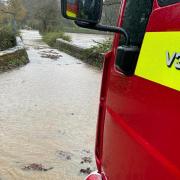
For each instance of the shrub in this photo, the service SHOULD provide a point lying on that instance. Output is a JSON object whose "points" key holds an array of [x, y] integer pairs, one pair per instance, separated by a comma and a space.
{"points": [[50, 37], [103, 47], [7, 38], [95, 54]]}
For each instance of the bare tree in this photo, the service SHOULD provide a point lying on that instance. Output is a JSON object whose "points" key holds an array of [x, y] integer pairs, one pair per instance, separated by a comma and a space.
{"points": [[17, 8]]}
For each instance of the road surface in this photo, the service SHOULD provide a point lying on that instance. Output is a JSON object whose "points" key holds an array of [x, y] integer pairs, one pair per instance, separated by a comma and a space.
{"points": [[48, 115]]}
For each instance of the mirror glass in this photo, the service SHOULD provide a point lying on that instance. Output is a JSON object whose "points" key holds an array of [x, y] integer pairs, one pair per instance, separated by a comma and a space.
{"points": [[83, 10]]}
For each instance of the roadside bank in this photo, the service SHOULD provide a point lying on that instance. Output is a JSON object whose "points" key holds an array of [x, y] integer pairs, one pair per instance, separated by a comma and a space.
{"points": [[89, 48], [88, 55], [13, 57]]}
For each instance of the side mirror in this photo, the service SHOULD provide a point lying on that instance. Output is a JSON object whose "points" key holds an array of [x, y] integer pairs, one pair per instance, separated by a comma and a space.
{"points": [[87, 14], [88, 11]]}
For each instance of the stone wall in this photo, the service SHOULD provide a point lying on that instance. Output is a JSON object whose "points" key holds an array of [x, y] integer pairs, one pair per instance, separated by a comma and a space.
{"points": [[13, 57], [87, 55]]}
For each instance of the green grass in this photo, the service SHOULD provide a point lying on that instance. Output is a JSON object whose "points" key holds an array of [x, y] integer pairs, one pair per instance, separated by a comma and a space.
{"points": [[50, 37]]}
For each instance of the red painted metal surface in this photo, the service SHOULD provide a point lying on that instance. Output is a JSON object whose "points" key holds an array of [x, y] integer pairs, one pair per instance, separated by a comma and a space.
{"points": [[102, 108], [141, 135], [94, 176], [139, 121], [165, 18]]}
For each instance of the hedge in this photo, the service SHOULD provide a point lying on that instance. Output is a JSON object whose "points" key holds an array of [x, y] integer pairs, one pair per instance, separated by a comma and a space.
{"points": [[7, 38]]}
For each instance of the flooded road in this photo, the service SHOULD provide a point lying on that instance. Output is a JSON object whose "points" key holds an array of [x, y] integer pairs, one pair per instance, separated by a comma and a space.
{"points": [[88, 40], [48, 112]]}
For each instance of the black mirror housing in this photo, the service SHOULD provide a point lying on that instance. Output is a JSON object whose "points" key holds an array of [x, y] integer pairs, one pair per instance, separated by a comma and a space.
{"points": [[126, 59], [88, 11], [87, 14]]}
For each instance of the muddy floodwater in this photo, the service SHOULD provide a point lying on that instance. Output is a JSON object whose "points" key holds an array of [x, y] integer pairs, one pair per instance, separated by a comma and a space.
{"points": [[48, 112]]}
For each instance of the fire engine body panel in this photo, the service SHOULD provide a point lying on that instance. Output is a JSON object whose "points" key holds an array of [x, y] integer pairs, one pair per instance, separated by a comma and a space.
{"points": [[138, 126]]}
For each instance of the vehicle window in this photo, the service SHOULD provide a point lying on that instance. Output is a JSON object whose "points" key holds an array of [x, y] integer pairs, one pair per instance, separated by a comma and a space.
{"points": [[135, 20], [167, 2]]}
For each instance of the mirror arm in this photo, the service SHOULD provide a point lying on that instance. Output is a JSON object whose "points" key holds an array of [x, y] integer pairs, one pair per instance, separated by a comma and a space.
{"points": [[101, 27]]}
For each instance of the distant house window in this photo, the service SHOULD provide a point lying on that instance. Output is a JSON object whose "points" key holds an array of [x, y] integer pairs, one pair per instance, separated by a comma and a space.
{"points": [[167, 2]]}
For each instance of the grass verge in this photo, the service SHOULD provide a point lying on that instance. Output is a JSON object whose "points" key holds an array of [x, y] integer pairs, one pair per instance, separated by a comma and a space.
{"points": [[50, 37], [93, 56], [14, 60]]}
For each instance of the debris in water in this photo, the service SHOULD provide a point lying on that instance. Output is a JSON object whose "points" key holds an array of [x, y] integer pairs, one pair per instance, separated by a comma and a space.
{"points": [[64, 155], [36, 167], [62, 132], [51, 54], [86, 171], [86, 160]]}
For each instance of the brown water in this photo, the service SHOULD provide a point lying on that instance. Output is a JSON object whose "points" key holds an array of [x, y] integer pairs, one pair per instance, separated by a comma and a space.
{"points": [[48, 112]]}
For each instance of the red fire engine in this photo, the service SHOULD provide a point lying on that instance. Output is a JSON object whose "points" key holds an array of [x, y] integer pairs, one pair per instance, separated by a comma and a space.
{"points": [[138, 127]]}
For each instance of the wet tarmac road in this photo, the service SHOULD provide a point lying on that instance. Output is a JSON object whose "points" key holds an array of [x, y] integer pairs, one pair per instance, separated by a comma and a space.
{"points": [[48, 112]]}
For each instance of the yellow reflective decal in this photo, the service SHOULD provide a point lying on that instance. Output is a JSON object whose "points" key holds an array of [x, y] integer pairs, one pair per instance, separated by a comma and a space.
{"points": [[71, 14], [159, 59]]}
